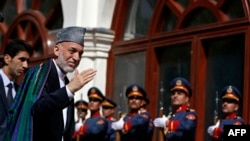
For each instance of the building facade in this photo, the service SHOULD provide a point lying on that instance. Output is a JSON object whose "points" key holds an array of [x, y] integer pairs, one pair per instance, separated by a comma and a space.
{"points": [[148, 42]]}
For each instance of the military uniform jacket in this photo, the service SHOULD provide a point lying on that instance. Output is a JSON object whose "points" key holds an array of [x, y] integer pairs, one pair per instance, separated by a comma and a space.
{"points": [[182, 125], [135, 127], [231, 119], [94, 128], [111, 132], [150, 126]]}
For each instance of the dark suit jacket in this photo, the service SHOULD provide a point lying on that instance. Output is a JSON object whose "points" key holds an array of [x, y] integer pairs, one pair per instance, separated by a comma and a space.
{"points": [[3, 110], [47, 111]]}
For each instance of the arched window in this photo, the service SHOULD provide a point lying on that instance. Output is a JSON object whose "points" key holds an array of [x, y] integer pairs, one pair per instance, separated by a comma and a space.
{"points": [[33, 21], [203, 41]]}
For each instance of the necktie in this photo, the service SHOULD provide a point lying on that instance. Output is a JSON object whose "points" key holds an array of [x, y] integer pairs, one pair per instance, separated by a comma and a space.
{"points": [[66, 80], [9, 94], [65, 110]]}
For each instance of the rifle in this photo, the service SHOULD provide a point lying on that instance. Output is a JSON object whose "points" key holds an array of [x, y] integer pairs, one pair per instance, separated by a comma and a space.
{"points": [[78, 136], [216, 108], [80, 120], [216, 119], [161, 134], [119, 132]]}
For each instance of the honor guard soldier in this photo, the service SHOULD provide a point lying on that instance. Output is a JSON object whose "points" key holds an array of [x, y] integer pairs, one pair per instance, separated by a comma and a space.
{"points": [[181, 124], [95, 127], [82, 110], [134, 125], [108, 110], [231, 99]]}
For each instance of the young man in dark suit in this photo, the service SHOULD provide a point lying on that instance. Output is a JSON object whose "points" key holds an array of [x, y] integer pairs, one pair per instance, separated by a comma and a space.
{"points": [[14, 63]]}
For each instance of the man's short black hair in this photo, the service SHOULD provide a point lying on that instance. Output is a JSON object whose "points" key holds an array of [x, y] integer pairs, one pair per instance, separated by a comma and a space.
{"points": [[14, 47]]}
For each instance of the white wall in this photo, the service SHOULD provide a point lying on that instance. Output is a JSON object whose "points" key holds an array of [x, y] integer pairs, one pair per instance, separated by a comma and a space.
{"points": [[96, 16], [88, 13]]}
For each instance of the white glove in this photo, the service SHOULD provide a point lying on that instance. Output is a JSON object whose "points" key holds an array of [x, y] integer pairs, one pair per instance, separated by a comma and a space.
{"points": [[160, 122], [117, 125], [78, 125], [210, 129]]}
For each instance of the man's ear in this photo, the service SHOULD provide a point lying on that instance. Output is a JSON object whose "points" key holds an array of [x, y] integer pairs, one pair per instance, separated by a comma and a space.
{"points": [[142, 103], [56, 50], [236, 107], [7, 58], [187, 98]]}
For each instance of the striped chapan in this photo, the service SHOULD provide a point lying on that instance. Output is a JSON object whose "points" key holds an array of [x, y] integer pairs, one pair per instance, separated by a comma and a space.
{"points": [[20, 118]]}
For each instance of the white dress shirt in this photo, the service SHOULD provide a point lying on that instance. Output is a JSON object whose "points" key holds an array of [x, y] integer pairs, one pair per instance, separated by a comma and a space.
{"points": [[62, 84], [6, 81]]}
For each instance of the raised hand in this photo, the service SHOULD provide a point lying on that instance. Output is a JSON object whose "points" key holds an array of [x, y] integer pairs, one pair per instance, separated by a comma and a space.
{"points": [[81, 79]]}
